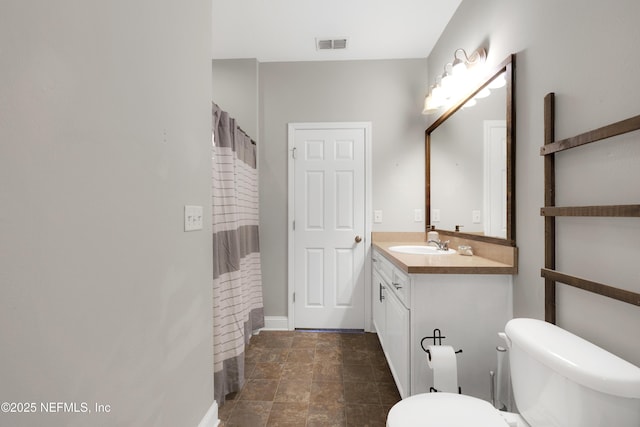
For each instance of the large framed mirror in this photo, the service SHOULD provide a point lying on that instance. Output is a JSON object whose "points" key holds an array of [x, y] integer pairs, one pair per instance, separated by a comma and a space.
{"points": [[470, 163]]}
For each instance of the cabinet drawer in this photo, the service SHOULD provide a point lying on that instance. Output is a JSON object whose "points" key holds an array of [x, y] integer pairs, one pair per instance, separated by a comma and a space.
{"points": [[400, 284], [383, 266]]}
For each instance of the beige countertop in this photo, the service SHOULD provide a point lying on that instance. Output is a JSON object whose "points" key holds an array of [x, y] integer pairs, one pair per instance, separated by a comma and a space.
{"points": [[443, 264]]}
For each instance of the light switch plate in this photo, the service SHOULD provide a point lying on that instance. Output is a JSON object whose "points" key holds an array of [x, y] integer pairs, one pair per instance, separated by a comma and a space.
{"points": [[377, 217], [475, 217], [435, 215], [193, 218], [417, 215]]}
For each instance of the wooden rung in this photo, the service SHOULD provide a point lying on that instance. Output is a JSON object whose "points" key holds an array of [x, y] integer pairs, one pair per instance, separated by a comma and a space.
{"points": [[595, 287], [602, 211], [618, 128]]}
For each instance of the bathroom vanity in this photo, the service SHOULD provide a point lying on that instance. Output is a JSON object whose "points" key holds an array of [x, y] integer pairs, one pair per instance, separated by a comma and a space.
{"points": [[452, 299], [468, 299]]}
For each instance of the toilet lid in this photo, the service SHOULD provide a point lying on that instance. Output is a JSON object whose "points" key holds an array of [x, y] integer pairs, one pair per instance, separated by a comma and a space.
{"points": [[444, 410]]}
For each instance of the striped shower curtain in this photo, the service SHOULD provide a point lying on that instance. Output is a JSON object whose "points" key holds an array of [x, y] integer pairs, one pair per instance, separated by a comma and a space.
{"points": [[237, 280]]}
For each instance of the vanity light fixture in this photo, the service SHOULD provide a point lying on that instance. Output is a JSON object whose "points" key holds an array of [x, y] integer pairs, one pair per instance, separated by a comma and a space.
{"points": [[461, 65], [453, 84], [448, 80]]}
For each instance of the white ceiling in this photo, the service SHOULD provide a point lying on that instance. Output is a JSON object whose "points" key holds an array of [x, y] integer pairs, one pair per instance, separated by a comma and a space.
{"points": [[286, 30]]}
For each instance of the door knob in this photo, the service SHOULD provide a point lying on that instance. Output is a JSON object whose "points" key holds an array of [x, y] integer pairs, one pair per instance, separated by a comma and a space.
{"points": [[358, 239]]}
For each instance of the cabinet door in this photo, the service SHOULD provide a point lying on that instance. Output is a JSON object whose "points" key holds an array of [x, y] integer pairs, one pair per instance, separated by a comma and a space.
{"points": [[469, 310], [397, 342], [378, 292]]}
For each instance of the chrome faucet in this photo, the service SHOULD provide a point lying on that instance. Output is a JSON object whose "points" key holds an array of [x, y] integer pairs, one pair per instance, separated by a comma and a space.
{"points": [[442, 246]]}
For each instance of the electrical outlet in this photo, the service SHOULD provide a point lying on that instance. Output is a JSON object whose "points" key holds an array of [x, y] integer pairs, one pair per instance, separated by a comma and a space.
{"points": [[417, 215], [377, 217], [193, 218], [475, 217], [435, 215]]}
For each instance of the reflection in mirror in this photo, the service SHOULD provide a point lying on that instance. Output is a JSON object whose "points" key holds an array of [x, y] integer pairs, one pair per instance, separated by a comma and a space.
{"points": [[470, 173], [468, 168]]}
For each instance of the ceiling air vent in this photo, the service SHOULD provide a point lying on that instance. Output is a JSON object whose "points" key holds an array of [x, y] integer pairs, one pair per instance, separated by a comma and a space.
{"points": [[331, 44]]}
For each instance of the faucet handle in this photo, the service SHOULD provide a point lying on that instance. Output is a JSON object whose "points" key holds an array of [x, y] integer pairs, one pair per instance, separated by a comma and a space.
{"points": [[443, 246]]}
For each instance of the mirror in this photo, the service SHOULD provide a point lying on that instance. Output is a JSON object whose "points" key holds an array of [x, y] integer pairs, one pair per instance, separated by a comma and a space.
{"points": [[470, 159]]}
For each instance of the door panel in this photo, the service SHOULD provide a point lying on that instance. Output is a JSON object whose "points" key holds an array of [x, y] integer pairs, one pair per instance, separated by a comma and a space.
{"points": [[314, 277], [345, 194], [314, 205], [344, 277]]}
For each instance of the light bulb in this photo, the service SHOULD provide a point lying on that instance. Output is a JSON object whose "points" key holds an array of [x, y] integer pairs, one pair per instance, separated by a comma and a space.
{"points": [[459, 67], [427, 105], [437, 93], [448, 85]]}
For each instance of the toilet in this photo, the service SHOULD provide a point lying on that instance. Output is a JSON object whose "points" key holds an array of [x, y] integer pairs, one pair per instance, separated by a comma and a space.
{"points": [[559, 380]]}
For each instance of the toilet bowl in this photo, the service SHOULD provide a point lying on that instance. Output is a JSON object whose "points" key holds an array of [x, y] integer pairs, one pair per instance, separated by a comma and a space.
{"points": [[449, 410]]}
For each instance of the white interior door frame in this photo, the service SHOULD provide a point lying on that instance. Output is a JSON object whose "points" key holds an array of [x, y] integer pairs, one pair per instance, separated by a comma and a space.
{"points": [[292, 128]]}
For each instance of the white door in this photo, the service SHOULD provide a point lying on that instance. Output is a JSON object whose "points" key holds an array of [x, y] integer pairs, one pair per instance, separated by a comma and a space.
{"points": [[328, 230], [495, 178]]}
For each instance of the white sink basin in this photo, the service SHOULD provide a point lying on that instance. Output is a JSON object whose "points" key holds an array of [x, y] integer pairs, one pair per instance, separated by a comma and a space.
{"points": [[421, 250]]}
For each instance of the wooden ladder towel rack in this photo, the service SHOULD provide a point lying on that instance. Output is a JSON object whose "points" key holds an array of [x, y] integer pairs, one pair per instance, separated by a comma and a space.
{"points": [[550, 211]]}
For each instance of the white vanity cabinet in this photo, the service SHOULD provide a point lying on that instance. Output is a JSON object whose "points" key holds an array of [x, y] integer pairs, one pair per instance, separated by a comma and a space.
{"points": [[468, 309], [391, 319]]}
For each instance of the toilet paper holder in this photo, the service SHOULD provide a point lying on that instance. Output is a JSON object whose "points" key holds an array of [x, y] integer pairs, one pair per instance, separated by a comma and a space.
{"points": [[437, 340], [437, 335]]}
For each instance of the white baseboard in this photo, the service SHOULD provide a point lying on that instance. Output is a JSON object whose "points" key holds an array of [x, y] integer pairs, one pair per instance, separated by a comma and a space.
{"points": [[211, 417], [276, 323]]}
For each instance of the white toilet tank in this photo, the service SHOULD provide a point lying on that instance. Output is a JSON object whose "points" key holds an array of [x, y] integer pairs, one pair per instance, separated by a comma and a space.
{"points": [[562, 380]]}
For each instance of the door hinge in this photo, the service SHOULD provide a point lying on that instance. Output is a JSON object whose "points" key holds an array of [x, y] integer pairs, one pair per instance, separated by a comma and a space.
{"points": [[293, 153], [294, 297], [294, 225]]}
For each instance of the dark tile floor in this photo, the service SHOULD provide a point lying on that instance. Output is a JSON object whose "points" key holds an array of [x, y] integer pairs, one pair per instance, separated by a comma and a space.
{"points": [[312, 379]]}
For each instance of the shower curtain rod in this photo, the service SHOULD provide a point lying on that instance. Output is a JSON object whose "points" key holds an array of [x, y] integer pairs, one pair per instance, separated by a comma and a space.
{"points": [[247, 135], [239, 128]]}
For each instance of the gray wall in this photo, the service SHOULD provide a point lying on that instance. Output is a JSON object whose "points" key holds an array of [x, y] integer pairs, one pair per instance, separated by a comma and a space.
{"points": [[105, 124], [582, 51], [235, 90], [387, 93]]}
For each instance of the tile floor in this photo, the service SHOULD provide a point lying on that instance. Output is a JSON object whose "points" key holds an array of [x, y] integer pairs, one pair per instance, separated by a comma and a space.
{"points": [[312, 379]]}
